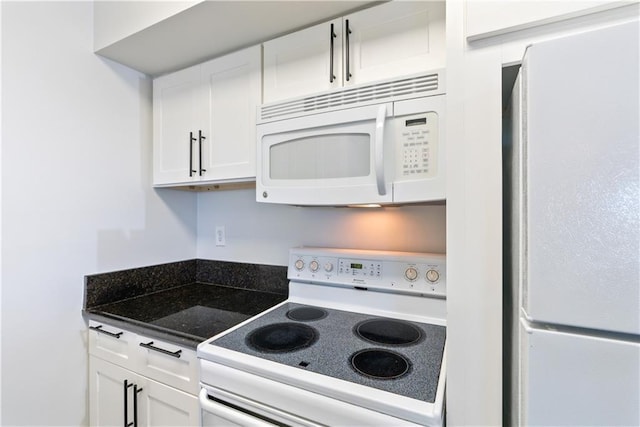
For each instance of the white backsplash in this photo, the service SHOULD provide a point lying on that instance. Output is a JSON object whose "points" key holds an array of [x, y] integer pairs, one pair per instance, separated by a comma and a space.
{"points": [[263, 233]]}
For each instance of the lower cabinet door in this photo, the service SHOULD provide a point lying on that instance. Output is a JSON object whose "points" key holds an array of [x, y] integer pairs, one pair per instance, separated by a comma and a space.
{"points": [[119, 397], [167, 406], [110, 393]]}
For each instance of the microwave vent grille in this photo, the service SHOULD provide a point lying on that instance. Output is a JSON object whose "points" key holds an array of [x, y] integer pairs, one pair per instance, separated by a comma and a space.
{"points": [[344, 98]]}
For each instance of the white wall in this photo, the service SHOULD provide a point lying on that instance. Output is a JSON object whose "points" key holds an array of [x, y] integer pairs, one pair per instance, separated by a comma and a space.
{"points": [[76, 200], [263, 233]]}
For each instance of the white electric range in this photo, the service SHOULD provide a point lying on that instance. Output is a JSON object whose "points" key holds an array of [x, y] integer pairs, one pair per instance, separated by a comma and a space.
{"points": [[361, 340]]}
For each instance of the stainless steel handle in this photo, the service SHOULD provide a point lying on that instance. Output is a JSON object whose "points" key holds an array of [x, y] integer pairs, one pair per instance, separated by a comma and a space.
{"points": [[347, 32], [332, 36], [200, 139], [379, 149], [102, 331], [191, 141], [150, 346]]}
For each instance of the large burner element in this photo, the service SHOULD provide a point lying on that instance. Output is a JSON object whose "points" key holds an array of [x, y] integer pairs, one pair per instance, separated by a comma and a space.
{"points": [[306, 314], [282, 337], [387, 331], [380, 364]]}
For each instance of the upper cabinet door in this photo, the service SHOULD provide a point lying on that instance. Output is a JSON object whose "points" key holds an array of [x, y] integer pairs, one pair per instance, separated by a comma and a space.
{"points": [[303, 62], [232, 91], [204, 121], [176, 106], [394, 39]]}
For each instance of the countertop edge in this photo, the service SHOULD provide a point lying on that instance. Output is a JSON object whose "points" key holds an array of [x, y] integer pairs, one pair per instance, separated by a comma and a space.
{"points": [[143, 328]]}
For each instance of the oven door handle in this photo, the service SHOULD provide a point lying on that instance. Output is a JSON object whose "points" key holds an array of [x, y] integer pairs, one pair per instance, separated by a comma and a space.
{"points": [[227, 413]]}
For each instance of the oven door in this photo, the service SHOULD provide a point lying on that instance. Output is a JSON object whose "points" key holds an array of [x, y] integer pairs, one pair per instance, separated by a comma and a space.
{"points": [[336, 158], [226, 409]]}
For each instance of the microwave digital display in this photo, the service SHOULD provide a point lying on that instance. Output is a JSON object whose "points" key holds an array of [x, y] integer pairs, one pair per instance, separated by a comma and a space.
{"points": [[416, 122]]}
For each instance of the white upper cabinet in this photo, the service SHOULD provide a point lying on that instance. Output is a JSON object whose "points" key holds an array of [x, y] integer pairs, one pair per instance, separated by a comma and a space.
{"points": [[386, 41], [306, 61], [176, 110], [394, 39], [204, 121], [232, 92]]}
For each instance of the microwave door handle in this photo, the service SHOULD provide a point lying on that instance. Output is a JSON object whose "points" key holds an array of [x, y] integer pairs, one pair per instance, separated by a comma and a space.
{"points": [[379, 149]]}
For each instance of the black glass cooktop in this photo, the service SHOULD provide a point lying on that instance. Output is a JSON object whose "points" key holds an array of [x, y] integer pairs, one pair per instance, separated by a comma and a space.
{"points": [[397, 356]]}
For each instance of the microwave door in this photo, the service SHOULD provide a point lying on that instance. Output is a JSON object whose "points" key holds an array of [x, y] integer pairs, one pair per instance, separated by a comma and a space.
{"points": [[336, 158]]}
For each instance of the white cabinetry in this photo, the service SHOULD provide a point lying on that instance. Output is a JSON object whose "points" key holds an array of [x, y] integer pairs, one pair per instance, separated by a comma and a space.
{"points": [[149, 386], [204, 121], [303, 62], [493, 18], [386, 41]]}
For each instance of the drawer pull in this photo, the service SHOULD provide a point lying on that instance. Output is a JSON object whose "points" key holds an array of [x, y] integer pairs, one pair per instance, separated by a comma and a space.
{"points": [[102, 331], [150, 346]]}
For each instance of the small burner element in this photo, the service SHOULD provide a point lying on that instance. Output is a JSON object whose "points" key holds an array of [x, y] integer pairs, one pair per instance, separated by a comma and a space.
{"points": [[282, 337], [388, 331], [380, 364], [306, 314]]}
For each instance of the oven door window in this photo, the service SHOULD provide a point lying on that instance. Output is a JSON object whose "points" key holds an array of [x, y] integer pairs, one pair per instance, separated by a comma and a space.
{"points": [[321, 156]]}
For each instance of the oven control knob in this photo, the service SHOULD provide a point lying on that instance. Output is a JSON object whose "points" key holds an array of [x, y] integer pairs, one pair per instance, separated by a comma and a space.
{"points": [[328, 267], [299, 264], [433, 275], [314, 266], [411, 274]]}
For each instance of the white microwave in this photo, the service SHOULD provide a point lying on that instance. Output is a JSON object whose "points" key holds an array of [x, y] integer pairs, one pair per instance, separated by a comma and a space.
{"points": [[377, 150]]}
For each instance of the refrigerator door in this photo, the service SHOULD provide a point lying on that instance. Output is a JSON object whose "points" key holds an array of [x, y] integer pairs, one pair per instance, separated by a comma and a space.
{"points": [[582, 209], [578, 380]]}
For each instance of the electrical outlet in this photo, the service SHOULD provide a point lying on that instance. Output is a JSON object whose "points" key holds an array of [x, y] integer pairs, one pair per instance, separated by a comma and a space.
{"points": [[220, 238]]}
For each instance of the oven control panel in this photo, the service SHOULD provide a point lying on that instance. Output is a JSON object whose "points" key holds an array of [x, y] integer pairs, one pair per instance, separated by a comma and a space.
{"points": [[399, 272]]}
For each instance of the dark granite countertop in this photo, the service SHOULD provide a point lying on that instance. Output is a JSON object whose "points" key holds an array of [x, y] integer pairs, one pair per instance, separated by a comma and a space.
{"points": [[167, 302]]}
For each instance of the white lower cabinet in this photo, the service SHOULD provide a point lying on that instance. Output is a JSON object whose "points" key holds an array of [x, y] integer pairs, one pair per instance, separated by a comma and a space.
{"points": [[122, 396]]}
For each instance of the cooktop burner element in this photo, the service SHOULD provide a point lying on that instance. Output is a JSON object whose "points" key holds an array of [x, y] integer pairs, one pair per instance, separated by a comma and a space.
{"points": [[306, 314], [282, 337], [388, 331], [380, 364]]}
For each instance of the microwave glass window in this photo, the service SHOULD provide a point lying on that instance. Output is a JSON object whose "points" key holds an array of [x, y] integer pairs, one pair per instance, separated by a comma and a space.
{"points": [[327, 156]]}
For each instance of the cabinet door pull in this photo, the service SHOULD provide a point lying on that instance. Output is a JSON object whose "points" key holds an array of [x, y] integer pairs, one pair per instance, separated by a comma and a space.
{"points": [[126, 404], [102, 331], [136, 390], [150, 346], [191, 141], [332, 36], [200, 139], [347, 32]]}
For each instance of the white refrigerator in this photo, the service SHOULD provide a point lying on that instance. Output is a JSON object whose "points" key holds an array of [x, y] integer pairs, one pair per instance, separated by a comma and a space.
{"points": [[573, 246]]}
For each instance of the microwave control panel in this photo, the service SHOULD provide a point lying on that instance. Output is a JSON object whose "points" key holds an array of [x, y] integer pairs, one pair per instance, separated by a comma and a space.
{"points": [[417, 146]]}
